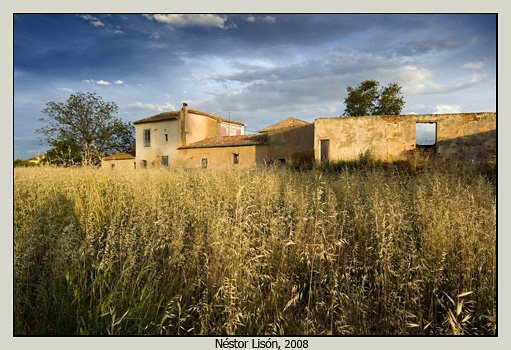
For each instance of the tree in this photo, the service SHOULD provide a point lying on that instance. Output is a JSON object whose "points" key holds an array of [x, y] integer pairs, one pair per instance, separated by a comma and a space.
{"points": [[369, 99], [362, 100], [83, 130], [391, 100]]}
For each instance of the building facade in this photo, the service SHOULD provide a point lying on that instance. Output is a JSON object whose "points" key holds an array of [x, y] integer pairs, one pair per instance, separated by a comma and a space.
{"points": [[159, 137], [193, 139]]}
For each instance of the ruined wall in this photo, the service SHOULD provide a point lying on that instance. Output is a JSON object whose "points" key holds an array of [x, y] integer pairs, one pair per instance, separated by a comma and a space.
{"points": [[119, 164], [294, 144], [463, 136], [218, 157], [160, 146]]}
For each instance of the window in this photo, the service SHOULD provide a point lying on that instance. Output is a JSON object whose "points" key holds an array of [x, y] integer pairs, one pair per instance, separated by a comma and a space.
{"points": [[144, 164], [425, 134], [236, 158], [282, 161], [147, 137], [166, 137], [165, 161], [134, 165], [204, 163], [324, 149], [112, 166]]}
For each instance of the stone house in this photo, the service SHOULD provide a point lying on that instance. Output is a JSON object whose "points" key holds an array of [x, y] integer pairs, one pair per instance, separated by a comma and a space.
{"points": [[157, 138], [193, 139], [37, 159], [288, 141]]}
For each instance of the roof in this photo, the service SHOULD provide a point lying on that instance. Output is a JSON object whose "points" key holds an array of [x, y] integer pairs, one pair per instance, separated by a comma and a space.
{"points": [[217, 118], [37, 158], [119, 156], [174, 115], [229, 141], [159, 117], [286, 123]]}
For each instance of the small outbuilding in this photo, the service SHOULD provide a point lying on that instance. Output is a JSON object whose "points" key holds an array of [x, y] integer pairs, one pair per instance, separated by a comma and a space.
{"points": [[123, 161]]}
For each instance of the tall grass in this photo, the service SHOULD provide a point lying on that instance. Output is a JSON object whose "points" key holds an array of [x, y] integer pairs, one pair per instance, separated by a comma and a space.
{"points": [[266, 251]]}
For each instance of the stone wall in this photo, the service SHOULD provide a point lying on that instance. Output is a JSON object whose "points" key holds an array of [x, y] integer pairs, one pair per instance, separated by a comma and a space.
{"points": [[119, 164], [460, 137], [294, 144], [218, 157]]}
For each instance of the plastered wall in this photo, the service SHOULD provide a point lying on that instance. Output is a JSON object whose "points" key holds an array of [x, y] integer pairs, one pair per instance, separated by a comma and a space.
{"points": [[463, 136]]}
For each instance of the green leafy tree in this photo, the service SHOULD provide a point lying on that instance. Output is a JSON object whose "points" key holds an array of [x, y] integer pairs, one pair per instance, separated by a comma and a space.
{"points": [[391, 100], [362, 99], [83, 130], [369, 99]]}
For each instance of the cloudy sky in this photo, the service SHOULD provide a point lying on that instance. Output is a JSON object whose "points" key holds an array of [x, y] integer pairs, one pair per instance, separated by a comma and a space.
{"points": [[257, 68]]}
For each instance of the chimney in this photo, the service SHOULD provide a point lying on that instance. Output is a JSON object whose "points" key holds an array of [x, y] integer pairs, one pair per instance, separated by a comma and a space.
{"points": [[182, 121]]}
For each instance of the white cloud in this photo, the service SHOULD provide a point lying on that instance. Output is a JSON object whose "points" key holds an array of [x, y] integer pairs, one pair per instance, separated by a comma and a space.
{"points": [[179, 20], [65, 90], [167, 107], [118, 31], [141, 106], [154, 35], [416, 78], [474, 65], [93, 20], [421, 81], [250, 19], [102, 82], [269, 19], [445, 109]]}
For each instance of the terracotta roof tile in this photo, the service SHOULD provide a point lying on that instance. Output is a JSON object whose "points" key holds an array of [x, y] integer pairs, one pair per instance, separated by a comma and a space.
{"points": [[174, 115], [228, 141], [159, 117], [286, 123], [119, 156]]}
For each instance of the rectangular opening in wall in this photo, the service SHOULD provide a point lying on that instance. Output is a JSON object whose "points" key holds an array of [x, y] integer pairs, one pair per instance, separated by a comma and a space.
{"points": [[147, 137], [166, 137], [204, 163], [425, 134], [165, 161], [113, 166], [325, 150], [134, 165], [144, 164], [282, 161], [235, 158]]}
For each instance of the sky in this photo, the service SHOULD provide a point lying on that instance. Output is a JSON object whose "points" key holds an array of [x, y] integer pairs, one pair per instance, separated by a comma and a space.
{"points": [[253, 68]]}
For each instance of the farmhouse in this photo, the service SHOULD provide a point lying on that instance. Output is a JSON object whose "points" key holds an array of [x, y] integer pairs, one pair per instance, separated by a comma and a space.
{"points": [[37, 159], [193, 139]]}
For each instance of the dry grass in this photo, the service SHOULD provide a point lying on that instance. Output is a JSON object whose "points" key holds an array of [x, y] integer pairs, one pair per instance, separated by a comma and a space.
{"points": [[266, 251]]}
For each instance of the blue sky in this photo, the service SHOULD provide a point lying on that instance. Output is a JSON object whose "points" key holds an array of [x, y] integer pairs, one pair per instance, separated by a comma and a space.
{"points": [[257, 68]]}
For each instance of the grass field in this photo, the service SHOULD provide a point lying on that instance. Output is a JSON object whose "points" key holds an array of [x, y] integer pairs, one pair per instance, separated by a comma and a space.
{"points": [[266, 251]]}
